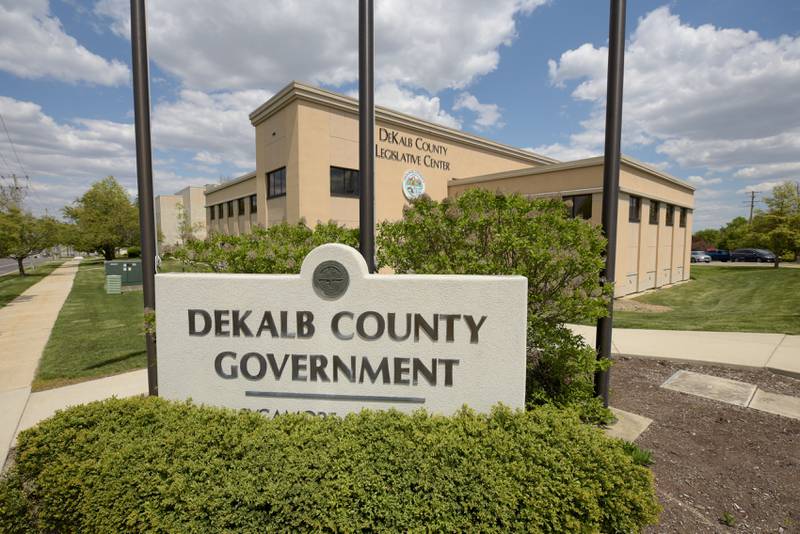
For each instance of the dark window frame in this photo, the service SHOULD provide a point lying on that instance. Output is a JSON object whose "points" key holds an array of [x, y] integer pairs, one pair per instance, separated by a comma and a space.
{"points": [[253, 204], [349, 177], [634, 215], [229, 208], [240, 206], [575, 212], [212, 212], [670, 221], [276, 188], [655, 211], [684, 212]]}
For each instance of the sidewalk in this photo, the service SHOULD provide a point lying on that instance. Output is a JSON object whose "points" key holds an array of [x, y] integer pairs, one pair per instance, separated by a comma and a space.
{"points": [[25, 325], [777, 352]]}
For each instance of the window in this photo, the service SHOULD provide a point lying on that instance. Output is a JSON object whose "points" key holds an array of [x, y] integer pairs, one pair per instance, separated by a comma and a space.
{"points": [[276, 183], [212, 212], [683, 217], [220, 212], [634, 209], [240, 206], [655, 206], [670, 214], [230, 208], [579, 206], [344, 182], [253, 204]]}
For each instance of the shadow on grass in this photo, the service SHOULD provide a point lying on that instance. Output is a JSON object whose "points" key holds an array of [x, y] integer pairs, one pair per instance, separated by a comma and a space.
{"points": [[120, 358]]}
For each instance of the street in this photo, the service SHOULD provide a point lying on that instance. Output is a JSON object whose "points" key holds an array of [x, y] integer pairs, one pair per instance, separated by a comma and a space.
{"points": [[9, 265]]}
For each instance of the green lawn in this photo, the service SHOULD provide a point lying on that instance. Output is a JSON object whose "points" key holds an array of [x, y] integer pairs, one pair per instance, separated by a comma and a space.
{"points": [[95, 334], [725, 299], [13, 285]]}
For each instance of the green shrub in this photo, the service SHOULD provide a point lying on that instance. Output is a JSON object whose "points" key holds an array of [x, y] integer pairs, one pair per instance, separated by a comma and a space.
{"points": [[480, 232], [278, 249], [147, 464], [134, 252]]}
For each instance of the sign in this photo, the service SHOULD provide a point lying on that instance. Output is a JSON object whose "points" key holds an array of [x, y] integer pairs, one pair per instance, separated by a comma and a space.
{"points": [[402, 148], [335, 339], [413, 185]]}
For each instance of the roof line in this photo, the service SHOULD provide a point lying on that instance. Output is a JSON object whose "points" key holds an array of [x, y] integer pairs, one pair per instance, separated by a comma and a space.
{"points": [[296, 90], [223, 185]]}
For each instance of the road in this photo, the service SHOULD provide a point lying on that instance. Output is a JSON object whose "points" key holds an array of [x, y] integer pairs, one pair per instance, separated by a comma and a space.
{"points": [[8, 265]]}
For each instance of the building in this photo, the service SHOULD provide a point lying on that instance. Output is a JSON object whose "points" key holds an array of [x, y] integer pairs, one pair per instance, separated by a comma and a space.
{"points": [[307, 168], [185, 208]]}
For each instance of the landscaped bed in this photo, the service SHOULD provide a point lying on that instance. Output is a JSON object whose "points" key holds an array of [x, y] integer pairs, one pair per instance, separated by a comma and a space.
{"points": [[13, 285], [724, 299], [95, 335], [146, 464]]}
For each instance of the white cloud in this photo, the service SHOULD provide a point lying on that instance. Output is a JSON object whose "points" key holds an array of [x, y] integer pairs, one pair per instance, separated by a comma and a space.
{"points": [[425, 107], [245, 44], [699, 180], [488, 115], [760, 188], [719, 98], [33, 45]]}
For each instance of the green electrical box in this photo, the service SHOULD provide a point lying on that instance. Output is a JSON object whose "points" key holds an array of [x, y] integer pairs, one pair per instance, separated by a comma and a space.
{"points": [[130, 271]]}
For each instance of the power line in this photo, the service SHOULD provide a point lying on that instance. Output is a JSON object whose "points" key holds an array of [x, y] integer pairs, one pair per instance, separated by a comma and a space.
{"points": [[752, 202], [14, 148]]}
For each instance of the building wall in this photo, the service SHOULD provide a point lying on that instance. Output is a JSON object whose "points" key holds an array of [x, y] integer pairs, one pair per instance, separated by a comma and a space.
{"points": [[235, 223], [166, 215]]}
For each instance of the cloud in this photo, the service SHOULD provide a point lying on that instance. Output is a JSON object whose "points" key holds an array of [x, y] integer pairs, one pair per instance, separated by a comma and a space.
{"points": [[243, 44], [760, 188], [33, 45], [392, 96], [723, 99], [488, 115], [699, 180]]}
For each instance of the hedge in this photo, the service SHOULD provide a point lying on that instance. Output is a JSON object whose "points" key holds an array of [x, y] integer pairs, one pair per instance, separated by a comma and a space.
{"points": [[147, 464]]}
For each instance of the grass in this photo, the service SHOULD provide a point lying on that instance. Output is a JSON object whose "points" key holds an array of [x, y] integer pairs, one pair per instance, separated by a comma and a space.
{"points": [[725, 299], [13, 285], [95, 334]]}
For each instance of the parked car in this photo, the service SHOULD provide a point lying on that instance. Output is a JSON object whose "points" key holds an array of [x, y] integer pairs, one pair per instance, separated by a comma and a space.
{"points": [[698, 256], [719, 255], [753, 254]]}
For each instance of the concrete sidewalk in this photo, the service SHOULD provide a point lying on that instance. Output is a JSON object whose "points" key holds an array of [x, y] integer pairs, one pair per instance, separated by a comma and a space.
{"points": [[25, 325], [777, 352]]}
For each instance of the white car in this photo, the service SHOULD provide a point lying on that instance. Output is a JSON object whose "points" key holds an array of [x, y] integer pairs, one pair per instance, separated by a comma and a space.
{"points": [[698, 256]]}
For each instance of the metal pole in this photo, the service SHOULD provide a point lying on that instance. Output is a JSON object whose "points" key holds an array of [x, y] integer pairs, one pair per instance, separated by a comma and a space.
{"points": [[366, 132], [616, 57], [144, 170]]}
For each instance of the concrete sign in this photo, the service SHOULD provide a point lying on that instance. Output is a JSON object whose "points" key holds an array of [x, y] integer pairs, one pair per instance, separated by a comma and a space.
{"points": [[335, 339]]}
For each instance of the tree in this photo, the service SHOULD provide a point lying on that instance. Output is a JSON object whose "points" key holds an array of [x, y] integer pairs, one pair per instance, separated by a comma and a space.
{"points": [[734, 234], [778, 233], [23, 235], [186, 230], [785, 199], [705, 239], [105, 218]]}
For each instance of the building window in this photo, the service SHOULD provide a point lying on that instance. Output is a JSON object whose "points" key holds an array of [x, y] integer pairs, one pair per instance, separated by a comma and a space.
{"points": [[230, 208], [253, 204], [634, 209], [276, 183], [344, 182], [579, 206], [683, 217], [212, 212], [670, 214], [655, 206], [240, 206]]}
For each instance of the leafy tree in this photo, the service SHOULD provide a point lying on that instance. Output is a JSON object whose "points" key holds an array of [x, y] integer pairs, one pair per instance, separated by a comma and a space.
{"points": [[705, 239], [105, 218], [734, 234], [23, 235], [480, 232], [776, 232], [785, 199]]}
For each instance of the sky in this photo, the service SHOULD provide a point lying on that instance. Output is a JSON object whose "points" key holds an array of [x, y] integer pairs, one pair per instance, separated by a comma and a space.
{"points": [[711, 89]]}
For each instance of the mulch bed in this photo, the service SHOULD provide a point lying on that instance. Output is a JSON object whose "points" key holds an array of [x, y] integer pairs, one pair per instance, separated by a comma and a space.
{"points": [[712, 458]]}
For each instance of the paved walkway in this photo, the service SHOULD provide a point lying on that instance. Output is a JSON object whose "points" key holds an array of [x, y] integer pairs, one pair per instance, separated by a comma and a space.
{"points": [[25, 325], [777, 352]]}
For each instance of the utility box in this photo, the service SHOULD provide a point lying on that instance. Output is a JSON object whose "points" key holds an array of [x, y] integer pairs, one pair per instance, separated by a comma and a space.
{"points": [[113, 284], [130, 271]]}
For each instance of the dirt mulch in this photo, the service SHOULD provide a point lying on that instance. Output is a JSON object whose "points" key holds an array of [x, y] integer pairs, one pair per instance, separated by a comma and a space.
{"points": [[710, 457], [636, 306]]}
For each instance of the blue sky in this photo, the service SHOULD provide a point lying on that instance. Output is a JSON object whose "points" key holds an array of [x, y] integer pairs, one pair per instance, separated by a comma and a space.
{"points": [[710, 90]]}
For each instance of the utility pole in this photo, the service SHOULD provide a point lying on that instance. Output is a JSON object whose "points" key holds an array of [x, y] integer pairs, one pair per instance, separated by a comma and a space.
{"points": [[144, 171], [366, 132], [752, 205], [616, 61]]}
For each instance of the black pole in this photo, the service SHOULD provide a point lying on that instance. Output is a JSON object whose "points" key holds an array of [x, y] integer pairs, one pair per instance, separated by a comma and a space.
{"points": [[616, 61], [144, 171], [366, 132]]}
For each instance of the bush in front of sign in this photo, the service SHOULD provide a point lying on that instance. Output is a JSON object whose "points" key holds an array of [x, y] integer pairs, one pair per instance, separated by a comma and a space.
{"points": [[277, 249], [481, 232], [146, 465]]}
